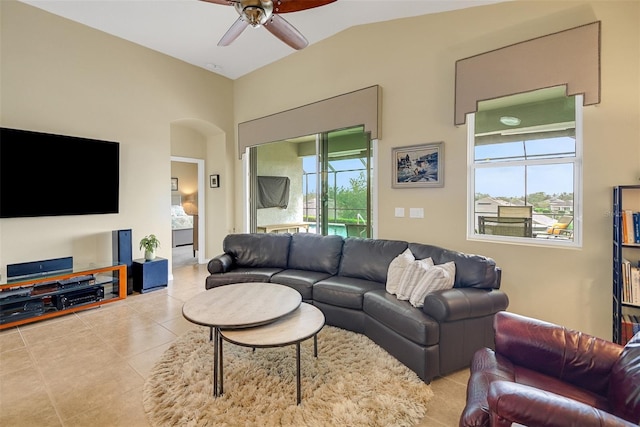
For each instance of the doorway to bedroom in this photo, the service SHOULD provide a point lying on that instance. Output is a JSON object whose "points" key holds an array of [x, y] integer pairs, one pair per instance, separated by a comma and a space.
{"points": [[185, 194]]}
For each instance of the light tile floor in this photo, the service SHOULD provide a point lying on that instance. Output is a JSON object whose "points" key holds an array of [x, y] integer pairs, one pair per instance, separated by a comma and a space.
{"points": [[88, 368]]}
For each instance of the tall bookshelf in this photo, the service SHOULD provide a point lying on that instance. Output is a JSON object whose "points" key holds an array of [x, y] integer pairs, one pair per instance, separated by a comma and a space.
{"points": [[625, 197]]}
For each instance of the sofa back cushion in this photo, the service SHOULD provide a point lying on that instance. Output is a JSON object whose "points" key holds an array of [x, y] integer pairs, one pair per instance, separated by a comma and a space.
{"points": [[369, 259], [314, 252], [624, 384], [258, 249], [472, 271], [566, 354]]}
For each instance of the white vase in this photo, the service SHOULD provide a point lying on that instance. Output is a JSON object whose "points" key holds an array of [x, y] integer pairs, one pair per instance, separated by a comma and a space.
{"points": [[149, 255]]}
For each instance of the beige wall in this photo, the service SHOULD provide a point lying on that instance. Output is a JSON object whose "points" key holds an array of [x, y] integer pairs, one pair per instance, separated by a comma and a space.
{"points": [[413, 61], [61, 77]]}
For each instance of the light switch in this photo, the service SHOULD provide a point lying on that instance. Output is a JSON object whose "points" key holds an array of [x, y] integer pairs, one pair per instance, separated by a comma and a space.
{"points": [[399, 212], [416, 213]]}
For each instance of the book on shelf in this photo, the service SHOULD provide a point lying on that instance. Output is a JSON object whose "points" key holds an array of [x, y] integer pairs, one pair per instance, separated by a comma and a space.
{"points": [[630, 227], [627, 281], [635, 286], [630, 326], [630, 291]]}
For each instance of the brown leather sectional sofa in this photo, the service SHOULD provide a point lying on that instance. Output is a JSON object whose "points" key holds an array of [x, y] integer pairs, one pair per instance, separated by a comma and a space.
{"points": [[345, 278]]}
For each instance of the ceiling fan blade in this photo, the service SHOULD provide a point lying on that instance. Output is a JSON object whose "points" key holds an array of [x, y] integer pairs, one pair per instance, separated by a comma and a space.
{"points": [[284, 6], [232, 33], [286, 32], [223, 2]]}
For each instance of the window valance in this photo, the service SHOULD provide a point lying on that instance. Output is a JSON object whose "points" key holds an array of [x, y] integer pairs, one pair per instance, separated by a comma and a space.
{"points": [[570, 58], [361, 107]]}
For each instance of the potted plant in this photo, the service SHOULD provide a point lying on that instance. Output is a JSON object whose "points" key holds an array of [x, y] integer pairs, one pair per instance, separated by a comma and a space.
{"points": [[149, 243]]}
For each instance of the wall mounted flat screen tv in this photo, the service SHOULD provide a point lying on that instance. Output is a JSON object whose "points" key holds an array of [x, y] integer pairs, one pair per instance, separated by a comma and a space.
{"points": [[43, 174]]}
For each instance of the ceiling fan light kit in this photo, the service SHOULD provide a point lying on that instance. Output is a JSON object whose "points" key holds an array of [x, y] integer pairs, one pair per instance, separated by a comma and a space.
{"points": [[259, 13], [256, 12]]}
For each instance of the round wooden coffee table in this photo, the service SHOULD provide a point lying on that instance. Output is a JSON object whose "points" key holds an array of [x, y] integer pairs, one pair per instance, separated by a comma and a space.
{"points": [[240, 305], [301, 324]]}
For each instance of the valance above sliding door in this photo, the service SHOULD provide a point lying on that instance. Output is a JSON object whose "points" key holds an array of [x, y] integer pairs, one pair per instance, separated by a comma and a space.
{"points": [[570, 58], [361, 107]]}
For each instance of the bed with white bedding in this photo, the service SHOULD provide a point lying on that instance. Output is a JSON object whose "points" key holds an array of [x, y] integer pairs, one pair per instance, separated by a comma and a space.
{"points": [[181, 227]]}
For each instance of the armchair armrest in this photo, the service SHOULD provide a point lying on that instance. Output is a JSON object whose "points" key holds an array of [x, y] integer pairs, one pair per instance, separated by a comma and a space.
{"points": [[517, 403], [463, 303], [220, 264]]}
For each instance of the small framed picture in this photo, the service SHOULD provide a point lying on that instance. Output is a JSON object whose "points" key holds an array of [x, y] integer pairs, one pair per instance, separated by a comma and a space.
{"points": [[174, 184], [214, 181], [418, 165]]}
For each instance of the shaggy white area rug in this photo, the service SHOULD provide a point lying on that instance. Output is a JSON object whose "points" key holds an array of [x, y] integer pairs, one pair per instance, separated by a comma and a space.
{"points": [[353, 382]]}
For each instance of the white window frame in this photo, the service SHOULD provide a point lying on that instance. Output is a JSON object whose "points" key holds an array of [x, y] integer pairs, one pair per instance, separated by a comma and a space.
{"points": [[577, 188]]}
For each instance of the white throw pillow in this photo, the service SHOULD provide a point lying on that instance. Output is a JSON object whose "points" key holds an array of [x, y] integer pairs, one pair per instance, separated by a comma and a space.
{"points": [[411, 276], [441, 276], [396, 268]]}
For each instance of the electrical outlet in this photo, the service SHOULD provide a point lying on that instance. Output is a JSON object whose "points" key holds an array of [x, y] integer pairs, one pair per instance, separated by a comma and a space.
{"points": [[416, 213]]}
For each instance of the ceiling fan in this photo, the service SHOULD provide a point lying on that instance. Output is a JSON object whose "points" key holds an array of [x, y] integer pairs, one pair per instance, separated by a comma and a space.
{"points": [[266, 13]]}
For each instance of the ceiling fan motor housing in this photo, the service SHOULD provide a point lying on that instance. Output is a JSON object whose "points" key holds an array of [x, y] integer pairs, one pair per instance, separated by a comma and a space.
{"points": [[255, 12]]}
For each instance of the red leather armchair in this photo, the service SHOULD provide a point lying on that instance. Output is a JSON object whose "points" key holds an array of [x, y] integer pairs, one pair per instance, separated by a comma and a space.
{"points": [[542, 374]]}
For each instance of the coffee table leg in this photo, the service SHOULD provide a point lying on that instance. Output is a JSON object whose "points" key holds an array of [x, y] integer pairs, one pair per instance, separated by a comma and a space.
{"points": [[221, 365], [315, 345], [216, 335], [298, 371]]}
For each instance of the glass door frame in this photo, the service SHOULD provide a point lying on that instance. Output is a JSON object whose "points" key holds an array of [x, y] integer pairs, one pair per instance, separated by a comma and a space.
{"points": [[248, 185]]}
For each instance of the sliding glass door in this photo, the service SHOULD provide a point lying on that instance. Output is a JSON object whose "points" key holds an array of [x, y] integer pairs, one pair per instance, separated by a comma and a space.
{"points": [[318, 183]]}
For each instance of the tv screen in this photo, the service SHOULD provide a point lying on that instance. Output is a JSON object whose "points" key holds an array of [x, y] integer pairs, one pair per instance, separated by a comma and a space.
{"points": [[43, 174]]}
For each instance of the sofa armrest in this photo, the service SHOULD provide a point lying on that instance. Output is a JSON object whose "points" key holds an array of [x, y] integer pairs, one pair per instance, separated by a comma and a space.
{"points": [[220, 264], [464, 303], [517, 403]]}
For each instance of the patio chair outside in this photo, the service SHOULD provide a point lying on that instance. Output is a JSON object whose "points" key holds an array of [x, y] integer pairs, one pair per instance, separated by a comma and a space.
{"points": [[515, 211], [560, 229], [515, 221]]}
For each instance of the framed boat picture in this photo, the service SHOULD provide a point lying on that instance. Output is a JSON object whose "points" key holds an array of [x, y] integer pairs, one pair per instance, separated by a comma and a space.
{"points": [[418, 165]]}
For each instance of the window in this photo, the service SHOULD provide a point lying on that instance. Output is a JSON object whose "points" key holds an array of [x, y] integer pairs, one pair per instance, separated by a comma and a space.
{"points": [[525, 157]]}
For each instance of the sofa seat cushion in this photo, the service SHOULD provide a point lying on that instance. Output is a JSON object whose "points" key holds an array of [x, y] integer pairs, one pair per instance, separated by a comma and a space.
{"points": [[400, 316], [554, 385], [300, 280], [241, 275], [344, 292]]}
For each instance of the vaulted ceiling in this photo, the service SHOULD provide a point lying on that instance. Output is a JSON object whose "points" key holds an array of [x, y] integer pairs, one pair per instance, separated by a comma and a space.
{"points": [[189, 30]]}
